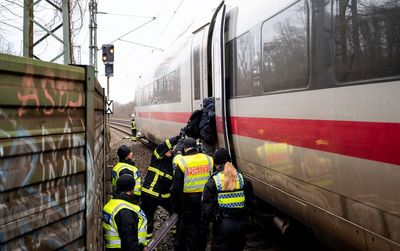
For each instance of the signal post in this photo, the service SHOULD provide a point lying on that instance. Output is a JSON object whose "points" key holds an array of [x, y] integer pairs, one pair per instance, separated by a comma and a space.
{"points": [[108, 60]]}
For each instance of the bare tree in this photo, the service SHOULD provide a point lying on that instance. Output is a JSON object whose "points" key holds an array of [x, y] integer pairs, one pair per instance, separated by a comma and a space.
{"points": [[5, 46], [123, 111], [46, 13]]}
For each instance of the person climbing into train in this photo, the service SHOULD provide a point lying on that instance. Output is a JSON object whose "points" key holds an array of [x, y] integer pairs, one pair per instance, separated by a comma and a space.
{"points": [[157, 182], [191, 174], [133, 127], [207, 126], [229, 203], [124, 223], [126, 165], [201, 125]]}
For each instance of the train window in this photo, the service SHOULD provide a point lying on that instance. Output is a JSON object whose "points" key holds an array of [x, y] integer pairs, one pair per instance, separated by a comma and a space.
{"points": [[367, 37], [196, 72], [230, 70], [152, 92], [242, 60], [156, 96], [174, 87], [146, 95], [256, 87], [284, 50], [166, 89]]}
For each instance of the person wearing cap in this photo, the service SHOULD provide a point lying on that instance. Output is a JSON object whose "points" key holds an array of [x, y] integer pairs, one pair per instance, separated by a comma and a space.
{"points": [[124, 223], [125, 165], [157, 182], [228, 201], [191, 174]]}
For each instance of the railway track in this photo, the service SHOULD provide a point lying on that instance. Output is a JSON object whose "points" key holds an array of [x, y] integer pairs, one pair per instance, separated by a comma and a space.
{"points": [[124, 126]]}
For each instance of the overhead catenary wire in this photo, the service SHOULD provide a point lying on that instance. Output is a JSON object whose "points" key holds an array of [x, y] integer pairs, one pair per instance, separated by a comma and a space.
{"points": [[149, 46], [124, 15], [170, 19], [129, 32]]}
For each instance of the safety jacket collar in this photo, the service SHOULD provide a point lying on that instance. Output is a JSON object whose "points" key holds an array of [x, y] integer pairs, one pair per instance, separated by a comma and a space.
{"points": [[192, 151], [126, 197], [129, 162]]}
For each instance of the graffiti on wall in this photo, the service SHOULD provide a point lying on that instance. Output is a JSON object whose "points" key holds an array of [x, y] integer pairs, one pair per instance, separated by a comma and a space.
{"points": [[43, 162], [52, 93]]}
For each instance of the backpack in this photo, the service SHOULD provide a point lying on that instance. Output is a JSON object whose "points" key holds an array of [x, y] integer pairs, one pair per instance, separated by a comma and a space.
{"points": [[208, 131], [207, 127], [192, 127]]}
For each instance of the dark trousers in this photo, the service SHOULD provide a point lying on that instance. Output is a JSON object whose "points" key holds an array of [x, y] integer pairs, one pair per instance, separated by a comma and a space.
{"points": [[133, 136], [149, 206], [230, 234], [188, 235]]}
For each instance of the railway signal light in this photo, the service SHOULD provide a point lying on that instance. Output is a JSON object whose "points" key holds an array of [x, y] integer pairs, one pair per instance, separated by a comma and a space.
{"points": [[108, 58], [108, 53]]}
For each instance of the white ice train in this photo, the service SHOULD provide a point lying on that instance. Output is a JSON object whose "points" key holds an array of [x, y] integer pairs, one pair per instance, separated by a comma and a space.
{"points": [[308, 102]]}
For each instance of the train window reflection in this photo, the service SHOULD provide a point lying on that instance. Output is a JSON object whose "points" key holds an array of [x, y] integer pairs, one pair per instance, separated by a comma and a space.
{"points": [[243, 73], [196, 72], [230, 74], [284, 50], [367, 39], [166, 89]]}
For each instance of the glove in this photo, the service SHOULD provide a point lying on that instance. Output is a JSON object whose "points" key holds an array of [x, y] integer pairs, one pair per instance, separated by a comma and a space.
{"points": [[182, 133]]}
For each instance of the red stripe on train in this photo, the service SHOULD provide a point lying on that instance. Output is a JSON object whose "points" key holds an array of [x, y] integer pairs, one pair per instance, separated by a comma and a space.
{"points": [[180, 117], [367, 140]]}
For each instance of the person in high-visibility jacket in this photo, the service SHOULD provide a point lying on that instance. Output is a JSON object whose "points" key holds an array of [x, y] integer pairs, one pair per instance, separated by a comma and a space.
{"points": [[133, 128], [125, 165], [124, 223], [229, 202], [191, 174], [157, 182]]}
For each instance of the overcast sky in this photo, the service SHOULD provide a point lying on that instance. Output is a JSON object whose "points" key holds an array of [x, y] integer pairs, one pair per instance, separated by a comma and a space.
{"points": [[124, 16], [172, 16]]}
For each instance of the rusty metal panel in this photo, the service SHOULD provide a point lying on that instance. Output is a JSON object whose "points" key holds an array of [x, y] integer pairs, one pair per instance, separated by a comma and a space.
{"points": [[95, 160], [51, 156]]}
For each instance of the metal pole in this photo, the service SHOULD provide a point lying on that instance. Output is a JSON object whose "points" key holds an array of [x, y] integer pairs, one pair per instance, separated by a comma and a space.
{"points": [[28, 29], [93, 34], [108, 95], [66, 32], [108, 88]]}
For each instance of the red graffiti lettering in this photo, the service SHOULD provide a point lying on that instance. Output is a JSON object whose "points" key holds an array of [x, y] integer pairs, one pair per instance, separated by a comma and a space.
{"points": [[61, 93], [29, 93], [48, 96]]}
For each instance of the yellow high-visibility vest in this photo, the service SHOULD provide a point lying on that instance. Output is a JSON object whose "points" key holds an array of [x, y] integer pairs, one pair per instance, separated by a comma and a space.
{"points": [[197, 169], [121, 166], [111, 237], [230, 199]]}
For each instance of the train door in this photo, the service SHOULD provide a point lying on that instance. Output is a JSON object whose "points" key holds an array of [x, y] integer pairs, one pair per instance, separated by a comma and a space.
{"points": [[218, 75], [197, 61]]}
